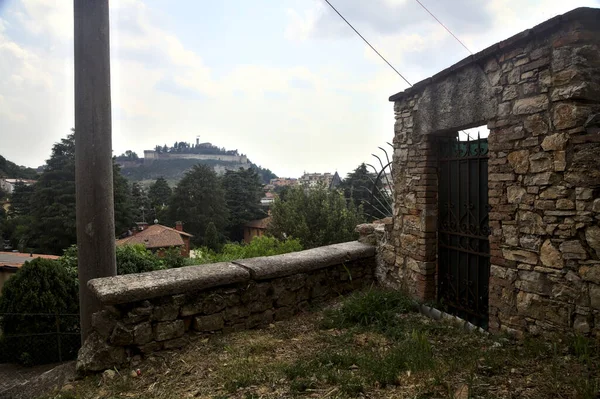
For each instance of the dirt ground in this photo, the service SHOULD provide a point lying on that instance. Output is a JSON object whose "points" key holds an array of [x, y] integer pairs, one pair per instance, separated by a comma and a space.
{"points": [[356, 349]]}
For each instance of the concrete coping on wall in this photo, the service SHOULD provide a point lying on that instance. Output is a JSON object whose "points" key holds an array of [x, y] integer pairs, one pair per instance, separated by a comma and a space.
{"points": [[269, 267], [137, 287]]}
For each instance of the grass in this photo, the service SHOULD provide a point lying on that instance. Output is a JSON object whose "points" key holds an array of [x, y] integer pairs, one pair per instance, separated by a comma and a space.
{"points": [[371, 344]]}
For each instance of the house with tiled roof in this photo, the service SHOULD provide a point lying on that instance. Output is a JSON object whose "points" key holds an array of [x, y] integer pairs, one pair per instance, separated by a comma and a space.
{"points": [[158, 238], [256, 228], [11, 262]]}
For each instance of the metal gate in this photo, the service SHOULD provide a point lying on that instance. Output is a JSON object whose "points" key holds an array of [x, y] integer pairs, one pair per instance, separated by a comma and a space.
{"points": [[463, 228]]}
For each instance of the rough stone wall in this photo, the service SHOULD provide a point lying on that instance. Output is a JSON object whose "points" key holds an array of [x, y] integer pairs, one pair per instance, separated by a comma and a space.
{"points": [[161, 310], [379, 234], [543, 87]]}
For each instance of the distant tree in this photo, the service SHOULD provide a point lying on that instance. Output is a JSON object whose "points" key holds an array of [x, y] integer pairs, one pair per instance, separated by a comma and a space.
{"points": [[20, 200], [243, 191], [265, 174], [142, 210], [358, 186], [316, 217], [211, 238], [124, 211], [198, 200], [159, 193], [51, 226], [11, 170]]}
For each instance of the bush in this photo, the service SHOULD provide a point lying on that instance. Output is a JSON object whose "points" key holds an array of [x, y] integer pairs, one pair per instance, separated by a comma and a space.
{"points": [[259, 246], [38, 300], [316, 217], [137, 259], [172, 258], [130, 259]]}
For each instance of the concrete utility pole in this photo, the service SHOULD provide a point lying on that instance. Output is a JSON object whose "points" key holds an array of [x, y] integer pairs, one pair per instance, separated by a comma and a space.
{"points": [[93, 152]]}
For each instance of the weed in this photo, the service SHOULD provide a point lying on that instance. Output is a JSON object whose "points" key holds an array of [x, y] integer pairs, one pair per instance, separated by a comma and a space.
{"points": [[374, 308]]}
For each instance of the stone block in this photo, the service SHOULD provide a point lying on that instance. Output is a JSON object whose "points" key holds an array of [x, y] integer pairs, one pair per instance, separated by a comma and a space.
{"points": [[564, 203], [531, 223], [595, 296], [213, 322], [555, 142], [169, 330], [592, 237], [560, 161], [96, 355], [531, 242], [568, 115], [104, 321], [519, 255], [235, 312], [550, 256], [530, 105], [213, 303], [536, 124], [572, 250], [142, 333], [541, 179], [166, 312], [130, 288], [519, 160], [122, 335], [540, 162], [268, 267]]}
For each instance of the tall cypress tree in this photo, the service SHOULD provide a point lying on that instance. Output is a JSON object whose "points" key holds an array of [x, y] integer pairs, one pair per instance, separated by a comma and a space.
{"points": [[243, 191], [198, 200]]}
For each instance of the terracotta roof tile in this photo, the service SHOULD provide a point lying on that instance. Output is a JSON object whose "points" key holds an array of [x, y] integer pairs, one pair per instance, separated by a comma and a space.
{"points": [[156, 236]]}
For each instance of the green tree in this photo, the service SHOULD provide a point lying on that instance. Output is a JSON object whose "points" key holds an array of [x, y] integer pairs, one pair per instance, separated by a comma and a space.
{"points": [[40, 287], [198, 200], [159, 193], [124, 212], [51, 226], [211, 238], [316, 217], [243, 191], [20, 200], [140, 202], [358, 186]]}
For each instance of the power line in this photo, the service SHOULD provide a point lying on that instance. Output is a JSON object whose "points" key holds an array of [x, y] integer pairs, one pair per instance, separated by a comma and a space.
{"points": [[381, 56], [366, 41], [444, 26]]}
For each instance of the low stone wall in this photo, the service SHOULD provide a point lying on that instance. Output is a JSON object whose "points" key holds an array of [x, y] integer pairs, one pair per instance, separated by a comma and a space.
{"points": [[148, 312]]}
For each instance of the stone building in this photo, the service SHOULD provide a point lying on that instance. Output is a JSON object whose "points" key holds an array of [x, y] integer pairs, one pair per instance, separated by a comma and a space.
{"points": [[505, 231]]}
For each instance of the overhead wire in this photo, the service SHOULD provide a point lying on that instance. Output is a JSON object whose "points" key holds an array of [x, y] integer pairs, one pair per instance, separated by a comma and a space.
{"points": [[381, 56], [369, 44], [444, 26]]}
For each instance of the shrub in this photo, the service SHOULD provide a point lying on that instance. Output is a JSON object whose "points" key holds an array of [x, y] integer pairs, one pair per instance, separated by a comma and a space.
{"points": [[36, 301], [259, 246], [137, 259], [317, 217], [172, 258], [130, 259]]}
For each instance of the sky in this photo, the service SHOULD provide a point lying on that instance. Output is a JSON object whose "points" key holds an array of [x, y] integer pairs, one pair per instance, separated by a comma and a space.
{"points": [[284, 81]]}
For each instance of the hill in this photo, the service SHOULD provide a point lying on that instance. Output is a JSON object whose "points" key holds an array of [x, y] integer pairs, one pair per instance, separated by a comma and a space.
{"points": [[11, 170], [173, 162]]}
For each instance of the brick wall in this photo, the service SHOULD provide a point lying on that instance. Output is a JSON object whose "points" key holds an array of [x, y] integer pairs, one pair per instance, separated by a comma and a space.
{"points": [[539, 94]]}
